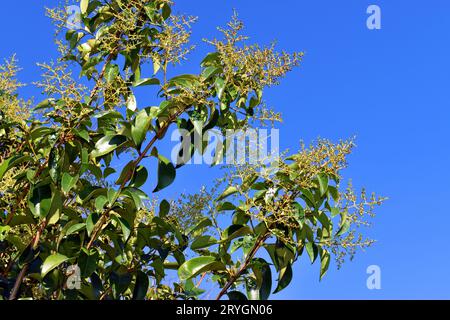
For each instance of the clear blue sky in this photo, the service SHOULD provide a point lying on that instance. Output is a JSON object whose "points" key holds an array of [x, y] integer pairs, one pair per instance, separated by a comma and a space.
{"points": [[389, 87]]}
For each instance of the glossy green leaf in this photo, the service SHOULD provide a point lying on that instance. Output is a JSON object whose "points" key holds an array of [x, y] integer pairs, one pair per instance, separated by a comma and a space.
{"points": [[146, 82], [196, 266], [51, 262], [137, 195], [166, 174], [75, 228], [333, 193], [345, 226], [210, 72], [108, 144], [53, 164], [40, 201], [235, 231], [140, 177], [141, 126], [203, 242], [88, 261], [309, 198]]}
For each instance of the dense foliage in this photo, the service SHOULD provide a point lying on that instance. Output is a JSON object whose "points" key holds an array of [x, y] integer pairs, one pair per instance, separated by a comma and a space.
{"points": [[60, 207]]}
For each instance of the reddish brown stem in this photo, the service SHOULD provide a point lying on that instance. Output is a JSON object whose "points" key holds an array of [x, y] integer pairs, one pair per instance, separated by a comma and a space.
{"points": [[244, 267]]}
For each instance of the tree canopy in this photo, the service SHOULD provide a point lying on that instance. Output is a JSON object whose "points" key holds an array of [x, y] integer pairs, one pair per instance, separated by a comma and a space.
{"points": [[68, 230]]}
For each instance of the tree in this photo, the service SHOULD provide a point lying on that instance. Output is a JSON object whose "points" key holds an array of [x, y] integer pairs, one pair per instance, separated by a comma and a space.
{"points": [[61, 210]]}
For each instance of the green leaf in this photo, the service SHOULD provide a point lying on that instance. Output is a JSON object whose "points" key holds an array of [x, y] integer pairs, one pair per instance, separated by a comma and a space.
{"points": [[137, 195], [83, 134], [184, 80], [100, 202], [53, 164], [312, 250], [228, 192], [141, 126], [141, 286], [196, 266], [41, 132], [201, 225], [107, 144], [235, 231], [156, 64], [164, 208], [88, 262], [210, 71], [211, 59], [68, 182], [146, 82], [111, 72], [203, 242], [308, 197], [127, 173], [108, 114], [48, 103], [343, 228], [131, 102], [40, 201], [263, 275], [125, 226], [10, 163], [226, 206], [54, 213], [75, 228], [166, 11], [284, 278], [91, 220], [52, 262], [236, 296], [166, 174], [333, 193], [84, 6], [324, 262], [140, 177], [323, 184], [220, 87]]}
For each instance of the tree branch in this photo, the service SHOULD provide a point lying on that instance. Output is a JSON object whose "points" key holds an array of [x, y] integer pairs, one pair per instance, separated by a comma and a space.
{"points": [[249, 258]]}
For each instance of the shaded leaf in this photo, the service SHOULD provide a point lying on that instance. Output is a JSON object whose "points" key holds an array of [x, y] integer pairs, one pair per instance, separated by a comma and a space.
{"points": [[141, 286], [284, 278]]}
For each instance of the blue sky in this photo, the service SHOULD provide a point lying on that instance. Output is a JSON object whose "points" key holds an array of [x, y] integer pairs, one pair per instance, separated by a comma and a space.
{"points": [[388, 87]]}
